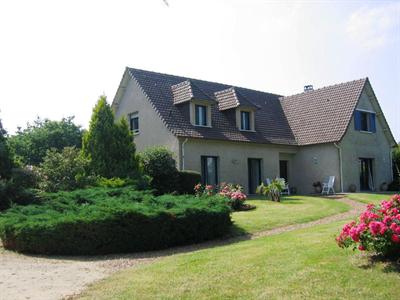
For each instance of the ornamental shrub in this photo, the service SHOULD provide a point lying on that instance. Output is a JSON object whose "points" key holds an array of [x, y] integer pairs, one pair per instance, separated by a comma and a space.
{"points": [[160, 165], [64, 171], [112, 220], [232, 193], [108, 145], [377, 229]]}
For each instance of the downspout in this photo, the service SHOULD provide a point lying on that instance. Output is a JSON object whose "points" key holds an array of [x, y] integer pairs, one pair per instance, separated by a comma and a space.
{"points": [[183, 153], [340, 166]]}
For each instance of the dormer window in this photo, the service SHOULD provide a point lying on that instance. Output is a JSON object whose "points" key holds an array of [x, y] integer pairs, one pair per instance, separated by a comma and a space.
{"points": [[189, 93], [231, 98], [245, 119], [200, 115]]}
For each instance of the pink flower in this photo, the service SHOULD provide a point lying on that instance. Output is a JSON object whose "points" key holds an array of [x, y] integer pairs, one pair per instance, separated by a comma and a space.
{"points": [[395, 238], [387, 220], [377, 227], [387, 204], [361, 248], [395, 228]]}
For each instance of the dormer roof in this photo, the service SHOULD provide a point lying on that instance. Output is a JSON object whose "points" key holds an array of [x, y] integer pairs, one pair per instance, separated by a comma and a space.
{"points": [[186, 91], [231, 98]]}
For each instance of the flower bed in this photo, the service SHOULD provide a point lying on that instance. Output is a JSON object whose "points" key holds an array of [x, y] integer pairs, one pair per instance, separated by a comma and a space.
{"points": [[377, 229], [112, 220], [233, 193]]}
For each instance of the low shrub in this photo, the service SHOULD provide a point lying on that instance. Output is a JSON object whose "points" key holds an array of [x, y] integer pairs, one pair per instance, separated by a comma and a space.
{"points": [[378, 229], [112, 220], [187, 180]]}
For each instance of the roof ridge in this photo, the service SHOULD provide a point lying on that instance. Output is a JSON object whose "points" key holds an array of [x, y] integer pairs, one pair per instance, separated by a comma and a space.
{"points": [[207, 81], [325, 87]]}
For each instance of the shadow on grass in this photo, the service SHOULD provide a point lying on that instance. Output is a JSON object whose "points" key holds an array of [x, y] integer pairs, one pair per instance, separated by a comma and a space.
{"points": [[390, 265]]}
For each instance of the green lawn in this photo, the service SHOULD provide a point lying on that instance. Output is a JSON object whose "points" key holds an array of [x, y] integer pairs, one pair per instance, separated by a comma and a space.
{"points": [[292, 210], [302, 264], [369, 197]]}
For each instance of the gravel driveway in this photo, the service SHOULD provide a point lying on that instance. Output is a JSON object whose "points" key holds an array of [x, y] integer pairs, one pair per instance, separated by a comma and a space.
{"points": [[42, 278]]}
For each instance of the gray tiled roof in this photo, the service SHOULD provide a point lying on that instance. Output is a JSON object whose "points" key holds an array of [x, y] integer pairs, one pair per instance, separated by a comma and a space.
{"points": [[313, 117], [322, 115], [271, 124], [230, 98]]}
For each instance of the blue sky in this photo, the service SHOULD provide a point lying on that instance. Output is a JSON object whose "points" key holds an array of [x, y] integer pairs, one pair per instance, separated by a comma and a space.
{"points": [[57, 57]]}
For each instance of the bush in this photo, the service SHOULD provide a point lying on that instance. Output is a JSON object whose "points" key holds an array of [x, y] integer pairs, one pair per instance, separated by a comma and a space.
{"points": [[25, 177], [378, 229], [232, 193], [159, 164], [12, 193], [106, 220], [63, 171], [187, 180]]}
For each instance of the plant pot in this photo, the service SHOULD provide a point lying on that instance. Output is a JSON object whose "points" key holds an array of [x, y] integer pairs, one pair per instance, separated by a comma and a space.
{"points": [[318, 189], [384, 187], [352, 188]]}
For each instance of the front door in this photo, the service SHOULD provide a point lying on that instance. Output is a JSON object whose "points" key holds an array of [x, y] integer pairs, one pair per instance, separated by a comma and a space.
{"points": [[366, 175], [254, 174]]}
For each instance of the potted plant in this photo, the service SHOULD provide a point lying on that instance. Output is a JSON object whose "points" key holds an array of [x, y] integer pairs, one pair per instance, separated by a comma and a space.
{"points": [[272, 190], [352, 188], [384, 186], [317, 187]]}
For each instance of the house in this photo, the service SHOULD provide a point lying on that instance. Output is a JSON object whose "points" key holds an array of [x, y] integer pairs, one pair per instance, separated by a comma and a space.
{"points": [[239, 135]]}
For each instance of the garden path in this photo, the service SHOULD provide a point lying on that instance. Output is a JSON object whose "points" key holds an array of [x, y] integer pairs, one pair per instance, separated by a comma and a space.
{"points": [[40, 277]]}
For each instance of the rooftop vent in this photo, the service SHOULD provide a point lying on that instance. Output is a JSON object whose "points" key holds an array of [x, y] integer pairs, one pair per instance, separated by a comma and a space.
{"points": [[308, 88]]}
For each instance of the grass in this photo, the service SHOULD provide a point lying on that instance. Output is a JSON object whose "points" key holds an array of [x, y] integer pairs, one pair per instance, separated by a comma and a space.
{"points": [[292, 210], [303, 264], [367, 198]]}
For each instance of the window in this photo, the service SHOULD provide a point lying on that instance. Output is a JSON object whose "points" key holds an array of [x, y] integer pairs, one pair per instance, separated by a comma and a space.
{"points": [[200, 115], [134, 122], [364, 121], [209, 170], [245, 120]]}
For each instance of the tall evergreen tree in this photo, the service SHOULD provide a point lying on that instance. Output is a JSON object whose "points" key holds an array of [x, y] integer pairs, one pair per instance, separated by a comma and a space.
{"points": [[109, 145], [5, 156]]}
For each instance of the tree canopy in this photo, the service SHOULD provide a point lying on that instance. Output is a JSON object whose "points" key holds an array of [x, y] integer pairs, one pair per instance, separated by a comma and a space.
{"points": [[108, 144], [5, 156], [31, 144]]}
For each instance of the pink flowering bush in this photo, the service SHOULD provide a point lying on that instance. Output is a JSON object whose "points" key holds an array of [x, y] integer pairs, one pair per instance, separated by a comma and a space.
{"points": [[377, 229], [232, 192]]}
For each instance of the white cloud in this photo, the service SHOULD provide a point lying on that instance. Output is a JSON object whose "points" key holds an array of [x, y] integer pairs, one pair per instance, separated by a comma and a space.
{"points": [[372, 27]]}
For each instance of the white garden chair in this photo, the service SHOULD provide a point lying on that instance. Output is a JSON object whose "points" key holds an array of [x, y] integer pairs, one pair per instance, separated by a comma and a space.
{"points": [[286, 189], [327, 185]]}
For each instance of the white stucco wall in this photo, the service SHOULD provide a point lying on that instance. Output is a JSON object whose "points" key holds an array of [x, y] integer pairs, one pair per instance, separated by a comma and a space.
{"points": [[233, 158], [356, 144], [152, 131]]}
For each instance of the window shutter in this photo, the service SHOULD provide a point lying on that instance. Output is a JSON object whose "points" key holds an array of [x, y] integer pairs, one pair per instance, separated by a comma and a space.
{"points": [[357, 120], [372, 122]]}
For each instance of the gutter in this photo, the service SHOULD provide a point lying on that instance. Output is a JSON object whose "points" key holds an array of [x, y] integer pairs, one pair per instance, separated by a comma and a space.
{"points": [[340, 166], [183, 153]]}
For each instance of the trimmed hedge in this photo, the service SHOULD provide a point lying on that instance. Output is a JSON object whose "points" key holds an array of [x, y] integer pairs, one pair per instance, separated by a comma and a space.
{"points": [[101, 221], [187, 180]]}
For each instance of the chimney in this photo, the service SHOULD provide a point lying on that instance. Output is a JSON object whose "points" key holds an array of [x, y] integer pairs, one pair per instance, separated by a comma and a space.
{"points": [[308, 88]]}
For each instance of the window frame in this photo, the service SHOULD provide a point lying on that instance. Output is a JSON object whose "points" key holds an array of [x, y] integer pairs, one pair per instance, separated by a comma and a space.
{"points": [[132, 116], [364, 117], [204, 171], [203, 114], [243, 122]]}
